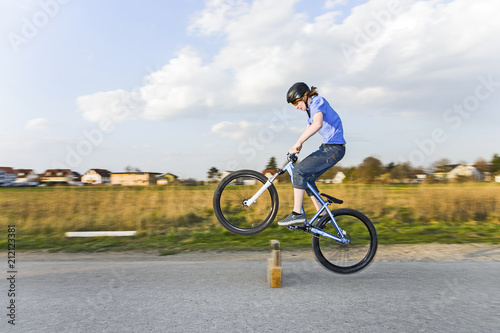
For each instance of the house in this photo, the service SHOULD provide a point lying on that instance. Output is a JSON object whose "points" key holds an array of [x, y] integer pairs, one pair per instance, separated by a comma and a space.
{"points": [[269, 173], [224, 174], [166, 178], [27, 177], [457, 172], [7, 176], [338, 178], [441, 172], [134, 178], [96, 176], [468, 172], [419, 175], [59, 176]]}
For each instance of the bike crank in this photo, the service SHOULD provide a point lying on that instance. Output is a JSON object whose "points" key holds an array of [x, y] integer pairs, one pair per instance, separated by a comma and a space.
{"points": [[307, 229]]}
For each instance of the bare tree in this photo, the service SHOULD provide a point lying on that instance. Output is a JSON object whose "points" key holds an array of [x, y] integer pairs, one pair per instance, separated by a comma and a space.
{"points": [[482, 165], [440, 163], [129, 168]]}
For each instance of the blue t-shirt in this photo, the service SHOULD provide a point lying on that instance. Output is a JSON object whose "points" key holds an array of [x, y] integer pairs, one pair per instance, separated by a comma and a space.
{"points": [[332, 130]]}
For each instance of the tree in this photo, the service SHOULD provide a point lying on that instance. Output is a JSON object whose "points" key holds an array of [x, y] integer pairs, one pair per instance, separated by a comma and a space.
{"points": [[272, 164], [350, 174], [370, 169], [482, 165], [129, 168], [213, 173], [390, 166], [495, 161], [401, 171], [440, 163]]}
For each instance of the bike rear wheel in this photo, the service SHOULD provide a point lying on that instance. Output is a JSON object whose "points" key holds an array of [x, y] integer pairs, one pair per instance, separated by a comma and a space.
{"points": [[230, 195], [346, 258]]}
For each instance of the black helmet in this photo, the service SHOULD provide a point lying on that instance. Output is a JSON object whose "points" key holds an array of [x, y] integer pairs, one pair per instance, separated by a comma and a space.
{"points": [[296, 91]]}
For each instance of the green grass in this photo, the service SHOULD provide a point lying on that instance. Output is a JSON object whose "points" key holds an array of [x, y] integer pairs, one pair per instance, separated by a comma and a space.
{"points": [[171, 220], [217, 238]]}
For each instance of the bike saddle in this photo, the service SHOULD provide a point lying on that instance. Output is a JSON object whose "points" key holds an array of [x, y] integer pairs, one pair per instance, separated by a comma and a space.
{"points": [[331, 199]]}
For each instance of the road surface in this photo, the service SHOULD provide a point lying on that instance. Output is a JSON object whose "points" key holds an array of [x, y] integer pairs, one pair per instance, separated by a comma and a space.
{"points": [[228, 292]]}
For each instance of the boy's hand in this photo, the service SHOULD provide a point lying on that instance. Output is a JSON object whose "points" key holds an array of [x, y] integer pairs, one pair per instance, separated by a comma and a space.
{"points": [[295, 149]]}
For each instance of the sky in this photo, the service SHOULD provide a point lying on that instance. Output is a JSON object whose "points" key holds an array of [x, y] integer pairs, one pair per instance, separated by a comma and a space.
{"points": [[183, 86]]}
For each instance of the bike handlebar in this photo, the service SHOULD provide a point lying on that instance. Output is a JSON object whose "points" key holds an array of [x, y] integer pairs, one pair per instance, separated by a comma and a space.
{"points": [[292, 157]]}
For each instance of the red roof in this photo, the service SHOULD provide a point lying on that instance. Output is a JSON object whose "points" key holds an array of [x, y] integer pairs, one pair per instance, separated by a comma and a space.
{"points": [[8, 169], [102, 172], [56, 172], [271, 171]]}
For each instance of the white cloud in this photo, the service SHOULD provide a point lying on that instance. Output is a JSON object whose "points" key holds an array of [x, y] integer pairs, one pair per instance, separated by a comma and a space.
{"points": [[235, 130], [384, 54], [37, 124], [183, 87], [216, 15], [111, 106]]}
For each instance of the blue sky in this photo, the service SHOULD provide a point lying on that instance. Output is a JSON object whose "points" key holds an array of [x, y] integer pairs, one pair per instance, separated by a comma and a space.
{"points": [[181, 86]]}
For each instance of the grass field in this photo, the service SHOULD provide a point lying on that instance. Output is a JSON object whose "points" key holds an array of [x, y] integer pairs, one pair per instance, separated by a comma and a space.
{"points": [[172, 219]]}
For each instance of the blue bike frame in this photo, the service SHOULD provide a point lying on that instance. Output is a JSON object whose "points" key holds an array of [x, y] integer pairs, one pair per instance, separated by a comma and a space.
{"points": [[307, 226]]}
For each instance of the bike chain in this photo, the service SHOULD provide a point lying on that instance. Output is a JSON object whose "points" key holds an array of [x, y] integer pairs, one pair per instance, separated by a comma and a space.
{"points": [[307, 231]]}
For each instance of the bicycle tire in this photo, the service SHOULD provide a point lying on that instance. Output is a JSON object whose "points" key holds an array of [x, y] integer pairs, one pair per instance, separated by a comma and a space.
{"points": [[350, 258], [228, 205]]}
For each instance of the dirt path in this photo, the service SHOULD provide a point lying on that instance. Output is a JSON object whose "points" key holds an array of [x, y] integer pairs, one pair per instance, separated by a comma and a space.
{"points": [[411, 252]]}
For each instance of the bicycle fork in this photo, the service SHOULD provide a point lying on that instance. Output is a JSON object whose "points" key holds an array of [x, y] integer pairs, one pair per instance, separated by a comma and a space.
{"points": [[264, 187]]}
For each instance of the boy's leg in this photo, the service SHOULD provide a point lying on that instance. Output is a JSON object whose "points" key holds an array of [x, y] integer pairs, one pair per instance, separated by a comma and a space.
{"points": [[298, 199], [315, 202], [296, 216]]}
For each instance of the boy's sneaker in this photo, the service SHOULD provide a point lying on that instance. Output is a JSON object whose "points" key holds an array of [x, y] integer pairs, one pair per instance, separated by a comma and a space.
{"points": [[292, 219]]}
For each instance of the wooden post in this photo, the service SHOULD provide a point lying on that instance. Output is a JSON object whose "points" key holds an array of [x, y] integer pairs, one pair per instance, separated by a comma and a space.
{"points": [[274, 265]]}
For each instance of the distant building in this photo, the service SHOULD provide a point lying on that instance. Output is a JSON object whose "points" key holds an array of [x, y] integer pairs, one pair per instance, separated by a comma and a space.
{"points": [[456, 172], [134, 178], [59, 176], [96, 176], [419, 176], [441, 172], [224, 174], [166, 178], [270, 173], [468, 172], [27, 177], [7, 176], [338, 178]]}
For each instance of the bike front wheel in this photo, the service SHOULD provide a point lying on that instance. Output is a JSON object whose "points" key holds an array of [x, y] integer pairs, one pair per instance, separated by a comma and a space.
{"points": [[230, 196], [346, 258]]}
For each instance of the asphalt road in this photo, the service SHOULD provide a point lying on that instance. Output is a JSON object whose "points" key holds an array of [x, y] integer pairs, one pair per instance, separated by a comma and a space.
{"points": [[217, 293]]}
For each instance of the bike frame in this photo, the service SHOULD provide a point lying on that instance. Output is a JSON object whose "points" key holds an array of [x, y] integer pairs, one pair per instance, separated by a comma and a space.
{"points": [[307, 226]]}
